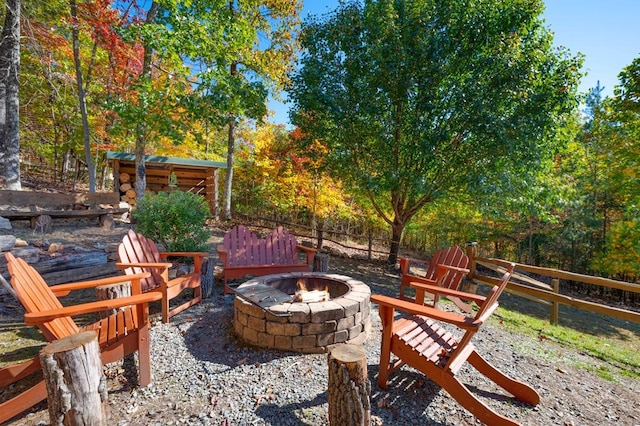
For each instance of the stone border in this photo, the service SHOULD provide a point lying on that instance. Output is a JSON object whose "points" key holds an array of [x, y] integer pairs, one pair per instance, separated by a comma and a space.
{"points": [[314, 327]]}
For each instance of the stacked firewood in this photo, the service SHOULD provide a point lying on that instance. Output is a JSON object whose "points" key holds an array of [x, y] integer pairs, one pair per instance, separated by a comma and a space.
{"points": [[127, 193]]}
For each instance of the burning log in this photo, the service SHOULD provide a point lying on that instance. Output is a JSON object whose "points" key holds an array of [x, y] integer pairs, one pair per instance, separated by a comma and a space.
{"points": [[311, 296], [306, 296]]}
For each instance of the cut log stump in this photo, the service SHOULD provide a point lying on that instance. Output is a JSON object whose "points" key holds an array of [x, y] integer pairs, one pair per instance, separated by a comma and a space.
{"points": [[207, 280], [76, 385], [349, 386], [321, 262], [113, 291]]}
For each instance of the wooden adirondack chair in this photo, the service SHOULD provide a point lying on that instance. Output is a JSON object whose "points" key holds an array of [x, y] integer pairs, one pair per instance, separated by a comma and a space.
{"points": [[420, 342], [138, 254], [243, 253], [453, 257], [118, 335]]}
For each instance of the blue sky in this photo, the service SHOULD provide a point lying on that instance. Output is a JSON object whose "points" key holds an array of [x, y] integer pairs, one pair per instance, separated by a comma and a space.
{"points": [[605, 31]]}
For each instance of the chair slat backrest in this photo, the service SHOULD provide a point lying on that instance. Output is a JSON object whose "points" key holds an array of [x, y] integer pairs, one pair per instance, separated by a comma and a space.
{"points": [[451, 256], [284, 246], [244, 247], [496, 291], [136, 248], [36, 296]]}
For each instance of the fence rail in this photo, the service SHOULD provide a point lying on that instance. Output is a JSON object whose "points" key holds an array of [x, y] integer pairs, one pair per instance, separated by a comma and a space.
{"points": [[541, 292], [521, 285]]}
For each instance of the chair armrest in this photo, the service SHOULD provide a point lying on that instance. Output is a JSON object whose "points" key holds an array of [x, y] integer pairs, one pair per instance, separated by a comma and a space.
{"points": [[160, 265], [441, 266], [436, 289], [405, 264], [35, 318], [412, 308], [306, 249], [198, 257], [166, 254], [222, 253], [62, 290], [309, 253]]}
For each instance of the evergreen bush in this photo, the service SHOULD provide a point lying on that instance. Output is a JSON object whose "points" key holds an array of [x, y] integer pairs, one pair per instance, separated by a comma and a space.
{"points": [[175, 219]]}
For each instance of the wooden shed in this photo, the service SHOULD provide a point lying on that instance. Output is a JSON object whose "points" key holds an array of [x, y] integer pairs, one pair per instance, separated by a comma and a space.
{"points": [[167, 174]]}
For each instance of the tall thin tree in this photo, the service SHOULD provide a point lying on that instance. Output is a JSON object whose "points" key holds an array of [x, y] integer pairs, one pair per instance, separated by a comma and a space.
{"points": [[86, 132], [9, 101]]}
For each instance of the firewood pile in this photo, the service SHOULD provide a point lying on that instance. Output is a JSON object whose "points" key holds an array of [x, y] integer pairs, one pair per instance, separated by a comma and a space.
{"points": [[127, 191]]}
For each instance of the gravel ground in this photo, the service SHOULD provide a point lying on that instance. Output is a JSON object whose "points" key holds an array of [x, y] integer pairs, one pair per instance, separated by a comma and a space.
{"points": [[204, 376]]}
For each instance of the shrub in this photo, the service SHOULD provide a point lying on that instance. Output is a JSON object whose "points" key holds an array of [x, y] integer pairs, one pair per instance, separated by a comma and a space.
{"points": [[174, 219]]}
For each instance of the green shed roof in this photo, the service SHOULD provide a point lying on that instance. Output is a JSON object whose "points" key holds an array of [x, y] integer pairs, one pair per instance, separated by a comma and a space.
{"points": [[168, 160]]}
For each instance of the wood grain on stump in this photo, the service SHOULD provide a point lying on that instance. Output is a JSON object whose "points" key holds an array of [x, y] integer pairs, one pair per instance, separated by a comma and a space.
{"points": [[113, 291], [349, 386], [76, 385], [321, 262], [207, 280]]}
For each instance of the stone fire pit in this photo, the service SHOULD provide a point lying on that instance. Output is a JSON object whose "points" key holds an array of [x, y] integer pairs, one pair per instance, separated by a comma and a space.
{"points": [[308, 327]]}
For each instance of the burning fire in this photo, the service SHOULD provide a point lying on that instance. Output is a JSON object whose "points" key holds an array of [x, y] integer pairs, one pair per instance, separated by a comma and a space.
{"points": [[304, 295]]}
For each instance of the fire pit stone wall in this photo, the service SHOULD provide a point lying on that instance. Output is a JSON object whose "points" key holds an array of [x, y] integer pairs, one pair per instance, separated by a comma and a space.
{"points": [[308, 327]]}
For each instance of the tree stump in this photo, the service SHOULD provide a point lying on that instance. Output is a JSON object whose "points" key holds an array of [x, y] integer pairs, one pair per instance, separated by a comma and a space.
{"points": [[321, 262], [41, 223], [113, 291], [349, 386], [76, 385], [106, 220], [207, 280]]}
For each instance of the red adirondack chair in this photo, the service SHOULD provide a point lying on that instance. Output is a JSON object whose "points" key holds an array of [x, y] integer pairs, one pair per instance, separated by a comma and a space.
{"points": [[243, 253], [422, 343], [138, 254], [455, 261], [119, 334]]}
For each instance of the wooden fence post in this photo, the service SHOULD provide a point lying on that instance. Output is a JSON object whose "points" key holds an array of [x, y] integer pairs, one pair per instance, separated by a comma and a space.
{"points": [[555, 306], [349, 386], [76, 385], [472, 253]]}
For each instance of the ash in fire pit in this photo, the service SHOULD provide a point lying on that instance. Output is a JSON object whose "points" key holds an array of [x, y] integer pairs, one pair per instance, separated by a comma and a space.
{"points": [[275, 311]]}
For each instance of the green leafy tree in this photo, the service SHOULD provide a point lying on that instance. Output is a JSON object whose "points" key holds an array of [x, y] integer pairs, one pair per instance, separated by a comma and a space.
{"points": [[235, 54], [245, 50], [419, 99], [619, 180]]}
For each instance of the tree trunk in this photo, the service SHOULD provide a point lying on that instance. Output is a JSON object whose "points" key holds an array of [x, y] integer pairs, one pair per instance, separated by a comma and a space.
{"points": [[141, 128], [397, 228], [9, 101], [82, 98], [349, 386], [76, 385], [229, 178]]}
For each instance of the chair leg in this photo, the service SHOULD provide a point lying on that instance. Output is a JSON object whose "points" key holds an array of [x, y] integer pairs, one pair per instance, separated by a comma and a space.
{"points": [[386, 315], [13, 373], [24, 401], [144, 356], [520, 390], [465, 398], [465, 307], [165, 307]]}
